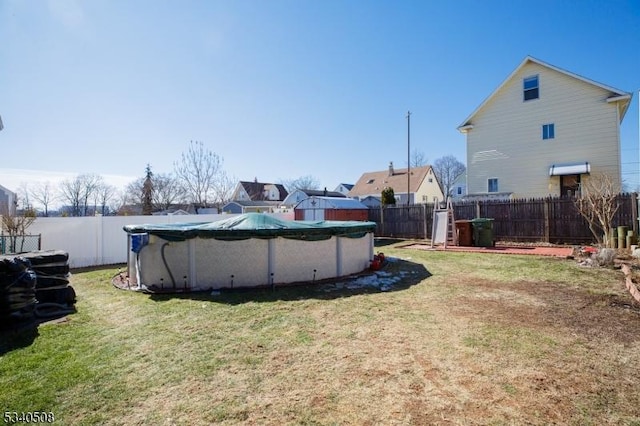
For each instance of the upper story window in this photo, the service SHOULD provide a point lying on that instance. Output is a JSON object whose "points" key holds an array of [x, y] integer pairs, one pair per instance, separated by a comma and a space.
{"points": [[548, 131], [531, 88], [492, 185]]}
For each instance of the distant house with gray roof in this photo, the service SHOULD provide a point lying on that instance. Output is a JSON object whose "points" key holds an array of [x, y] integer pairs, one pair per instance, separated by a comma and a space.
{"points": [[259, 191], [344, 188], [302, 194]]}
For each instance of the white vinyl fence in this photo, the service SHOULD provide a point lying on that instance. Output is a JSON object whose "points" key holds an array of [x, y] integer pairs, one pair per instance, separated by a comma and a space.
{"points": [[101, 240]]}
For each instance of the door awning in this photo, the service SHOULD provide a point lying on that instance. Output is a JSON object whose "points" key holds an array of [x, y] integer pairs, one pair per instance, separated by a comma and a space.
{"points": [[570, 169]]}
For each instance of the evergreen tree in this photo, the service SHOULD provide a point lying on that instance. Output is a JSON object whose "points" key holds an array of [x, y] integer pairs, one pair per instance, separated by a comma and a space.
{"points": [[388, 197], [147, 192]]}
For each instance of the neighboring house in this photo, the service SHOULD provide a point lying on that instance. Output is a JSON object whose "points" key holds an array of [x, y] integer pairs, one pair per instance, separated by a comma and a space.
{"points": [[8, 201], [258, 191], [302, 194], [371, 201], [344, 188], [422, 185], [541, 133], [241, 207], [459, 187], [331, 208]]}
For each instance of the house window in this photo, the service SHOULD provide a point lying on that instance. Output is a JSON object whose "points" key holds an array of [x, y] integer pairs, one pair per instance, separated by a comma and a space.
{"points": [[531, 88], [548, 131], [370, 181], [492, 185], [459, 190], [430, 180]]}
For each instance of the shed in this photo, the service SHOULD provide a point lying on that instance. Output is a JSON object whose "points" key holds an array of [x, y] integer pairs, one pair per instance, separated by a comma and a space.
{"points": [[331, 208]]}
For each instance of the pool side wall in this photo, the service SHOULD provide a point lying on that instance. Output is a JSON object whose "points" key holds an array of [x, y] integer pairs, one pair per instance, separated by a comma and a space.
{"points": [[201, 264]]}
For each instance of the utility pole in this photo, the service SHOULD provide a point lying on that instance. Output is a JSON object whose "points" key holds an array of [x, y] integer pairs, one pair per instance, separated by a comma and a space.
{"points": [[408, 157]]}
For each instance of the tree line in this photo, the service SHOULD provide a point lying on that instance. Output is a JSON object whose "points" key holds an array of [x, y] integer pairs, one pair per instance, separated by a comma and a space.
{"points": [[198, 179]]}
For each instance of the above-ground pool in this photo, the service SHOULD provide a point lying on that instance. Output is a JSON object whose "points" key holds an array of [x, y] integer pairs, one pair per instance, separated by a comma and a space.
{"points": [[249, 250]]}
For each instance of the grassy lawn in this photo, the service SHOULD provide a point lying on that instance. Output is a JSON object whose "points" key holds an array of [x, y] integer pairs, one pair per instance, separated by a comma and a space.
{"points": [[454, 338]]}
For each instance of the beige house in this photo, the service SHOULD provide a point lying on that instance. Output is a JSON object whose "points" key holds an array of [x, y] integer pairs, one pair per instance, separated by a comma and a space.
{"points": [[422, 185], [542, 132]]}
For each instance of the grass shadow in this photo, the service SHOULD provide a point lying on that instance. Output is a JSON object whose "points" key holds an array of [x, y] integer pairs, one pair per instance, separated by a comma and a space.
{"points": [[387, 241], [396, 275], [16, 335]]}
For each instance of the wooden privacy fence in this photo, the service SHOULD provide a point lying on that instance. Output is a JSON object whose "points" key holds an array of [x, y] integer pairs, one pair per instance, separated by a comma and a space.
{"points": [[551, 220]]}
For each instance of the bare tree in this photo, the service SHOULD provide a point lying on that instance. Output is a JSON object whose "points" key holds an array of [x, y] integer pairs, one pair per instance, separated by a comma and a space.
{"points": [[15, 226], [122, 204], [90, 184], [418, 159], [24, 194], [597, 203], [302, 182], [199, 170], [133, 192], [223, 189], [77, 192], [167, 191], [104, 195], [43, 193], [71, 192], [447, 170]]}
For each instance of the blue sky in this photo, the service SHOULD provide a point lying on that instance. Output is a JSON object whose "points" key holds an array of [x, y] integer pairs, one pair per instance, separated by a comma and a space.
{"points": [[280, 89]]}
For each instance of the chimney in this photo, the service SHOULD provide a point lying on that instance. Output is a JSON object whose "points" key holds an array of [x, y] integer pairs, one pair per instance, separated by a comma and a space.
{"points": [[325, 191], [391, 172]]}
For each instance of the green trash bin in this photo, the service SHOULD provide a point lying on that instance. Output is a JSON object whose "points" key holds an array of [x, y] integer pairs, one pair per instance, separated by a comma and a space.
{"points": [[482, 232]]}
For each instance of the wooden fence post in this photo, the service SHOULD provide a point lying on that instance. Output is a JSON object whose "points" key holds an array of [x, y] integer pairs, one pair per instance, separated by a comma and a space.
{"points": [[547, 236], [424, 219], [634, 212]]}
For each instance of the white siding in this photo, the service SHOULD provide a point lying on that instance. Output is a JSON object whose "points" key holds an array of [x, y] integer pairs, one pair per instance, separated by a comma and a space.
{"points": [[506, 140], [429, 191]]}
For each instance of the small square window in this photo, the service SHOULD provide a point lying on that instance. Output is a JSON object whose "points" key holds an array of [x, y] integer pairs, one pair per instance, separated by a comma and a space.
{"points": [[531, 88], [492, 185], [548, 131]]}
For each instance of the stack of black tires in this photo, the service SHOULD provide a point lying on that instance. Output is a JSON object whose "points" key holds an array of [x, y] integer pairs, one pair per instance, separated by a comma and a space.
{"points": [[17, 289], [35, 285]]}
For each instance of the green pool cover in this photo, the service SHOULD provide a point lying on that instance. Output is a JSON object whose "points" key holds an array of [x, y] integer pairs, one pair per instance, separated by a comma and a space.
{"points": [[255, 225]]}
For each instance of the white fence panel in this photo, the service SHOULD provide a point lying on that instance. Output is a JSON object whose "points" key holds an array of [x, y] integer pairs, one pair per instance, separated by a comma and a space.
{"points": [[98, 240], [101, 240]]}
